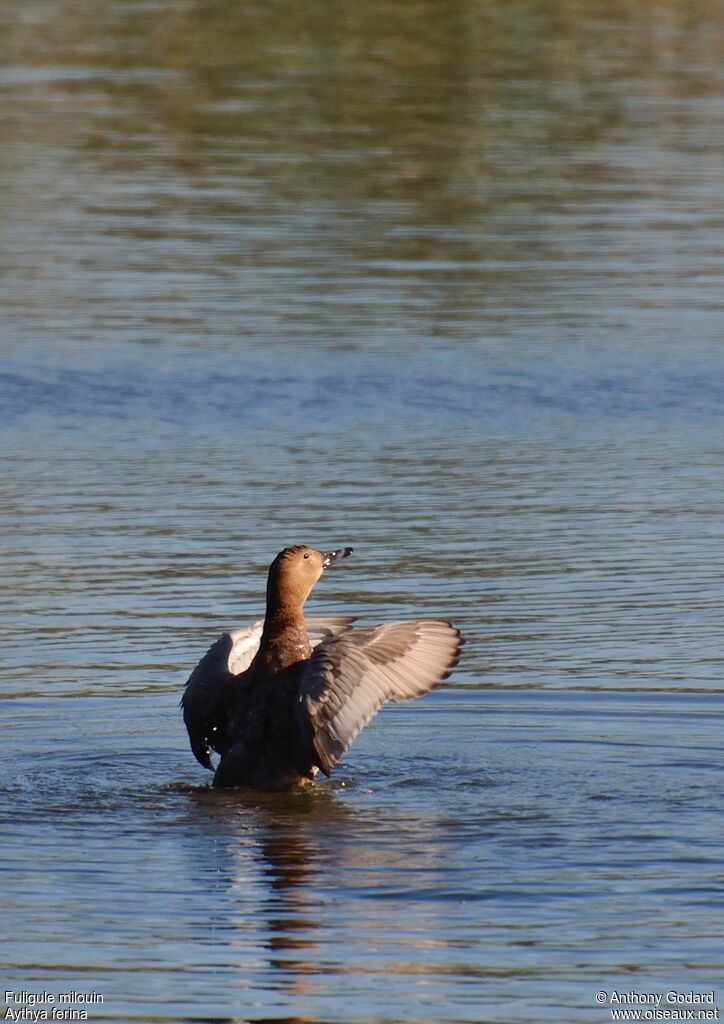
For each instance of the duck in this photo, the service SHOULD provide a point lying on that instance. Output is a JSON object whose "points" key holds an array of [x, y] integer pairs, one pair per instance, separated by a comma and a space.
{"points": [[283, 699]]}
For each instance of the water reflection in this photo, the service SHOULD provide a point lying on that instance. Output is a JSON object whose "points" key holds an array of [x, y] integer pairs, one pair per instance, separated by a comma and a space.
{"points": [[292, 858], [276, 845]]}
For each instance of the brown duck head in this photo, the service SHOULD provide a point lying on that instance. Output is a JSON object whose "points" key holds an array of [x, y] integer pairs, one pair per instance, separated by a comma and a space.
{"points": [[294, 572]]}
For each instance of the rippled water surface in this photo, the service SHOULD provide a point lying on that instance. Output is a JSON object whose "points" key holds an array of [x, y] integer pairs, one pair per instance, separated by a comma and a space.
{"points": [[440, 281]]}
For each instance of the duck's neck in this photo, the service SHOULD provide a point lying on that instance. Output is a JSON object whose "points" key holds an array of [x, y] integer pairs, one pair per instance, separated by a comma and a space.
{"points": [[284, 639]]}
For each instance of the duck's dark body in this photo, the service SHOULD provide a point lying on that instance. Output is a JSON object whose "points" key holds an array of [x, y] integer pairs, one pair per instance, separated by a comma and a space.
{"points": [[285, 698], [267, 751], [262, 744]]}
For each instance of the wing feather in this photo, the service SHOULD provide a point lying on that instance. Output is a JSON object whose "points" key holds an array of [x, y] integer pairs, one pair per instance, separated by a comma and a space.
{"points": [[351, 675]]}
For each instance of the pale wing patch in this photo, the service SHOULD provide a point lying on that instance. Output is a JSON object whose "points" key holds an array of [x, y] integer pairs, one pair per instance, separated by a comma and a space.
{"points": [[244, 645]]}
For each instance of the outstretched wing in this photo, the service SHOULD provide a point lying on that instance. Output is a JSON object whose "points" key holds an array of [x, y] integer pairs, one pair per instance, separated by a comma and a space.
{"points": [[349, 677], [211, 685], [206, 695]]}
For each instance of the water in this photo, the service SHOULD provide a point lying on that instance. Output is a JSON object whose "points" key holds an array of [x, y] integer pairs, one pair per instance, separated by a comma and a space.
{"points": [[442, 282]]}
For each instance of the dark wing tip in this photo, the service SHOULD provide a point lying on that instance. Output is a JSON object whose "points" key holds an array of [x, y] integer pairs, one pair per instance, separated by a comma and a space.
{"points": [[198, 739], [456, 654], [202, 753]]}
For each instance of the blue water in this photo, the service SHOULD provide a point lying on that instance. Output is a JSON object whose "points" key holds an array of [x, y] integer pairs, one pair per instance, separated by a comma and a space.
{"points": [[440, 283]]}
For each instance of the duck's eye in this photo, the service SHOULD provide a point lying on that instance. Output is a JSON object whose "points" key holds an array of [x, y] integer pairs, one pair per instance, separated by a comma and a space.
{"points": [[306, 554]]}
